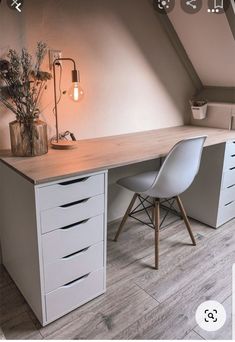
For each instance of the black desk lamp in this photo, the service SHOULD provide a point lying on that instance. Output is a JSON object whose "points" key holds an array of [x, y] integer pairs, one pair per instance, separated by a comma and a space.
{"points": [[75, 93]]}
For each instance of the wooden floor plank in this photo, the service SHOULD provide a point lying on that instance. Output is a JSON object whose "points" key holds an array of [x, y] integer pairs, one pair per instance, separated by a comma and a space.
{"points": [[133, 255], [12, 303], [193, 336], [21, 327], [103, 317], [175, 317], [173, 276]]}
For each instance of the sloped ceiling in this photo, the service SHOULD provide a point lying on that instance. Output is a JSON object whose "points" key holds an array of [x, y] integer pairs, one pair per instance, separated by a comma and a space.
{"points": [[209, 43]]}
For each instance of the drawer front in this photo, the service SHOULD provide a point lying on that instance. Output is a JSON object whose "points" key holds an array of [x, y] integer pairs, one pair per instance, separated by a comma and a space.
{"points": [[55, 195], [69, 297], [226, 213], [72, 267], [230, 148], [228, 178], [66, 215], [229, 158], [72, 239], [229, 163], [227, 196]]}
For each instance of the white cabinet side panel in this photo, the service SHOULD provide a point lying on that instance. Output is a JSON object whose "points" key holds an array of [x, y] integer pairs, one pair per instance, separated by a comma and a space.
{"points": [[201, 200], [19, 239]]}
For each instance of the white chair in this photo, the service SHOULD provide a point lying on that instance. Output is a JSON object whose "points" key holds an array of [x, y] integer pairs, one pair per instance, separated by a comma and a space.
{"points": [[174, 177]]}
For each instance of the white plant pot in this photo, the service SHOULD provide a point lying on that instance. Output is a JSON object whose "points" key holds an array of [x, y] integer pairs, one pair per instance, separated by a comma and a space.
{"points": [[199, 112]]}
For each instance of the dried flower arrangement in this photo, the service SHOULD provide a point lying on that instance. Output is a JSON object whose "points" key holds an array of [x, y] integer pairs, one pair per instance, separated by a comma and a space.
{"points": [[22, 83]]}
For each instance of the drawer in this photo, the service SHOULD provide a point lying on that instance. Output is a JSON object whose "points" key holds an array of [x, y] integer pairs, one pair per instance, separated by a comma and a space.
{"points": [[226, 213], [229, 163], [67, 269], [71, 213], [228, 178], [52, 196], [227, 196], [229, 157], [71, 296], [230, 148], [72, 239]]}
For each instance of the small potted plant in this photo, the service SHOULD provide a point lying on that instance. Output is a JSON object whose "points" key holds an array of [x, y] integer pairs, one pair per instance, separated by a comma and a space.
{"points": [[199, 108], [22, 83]]}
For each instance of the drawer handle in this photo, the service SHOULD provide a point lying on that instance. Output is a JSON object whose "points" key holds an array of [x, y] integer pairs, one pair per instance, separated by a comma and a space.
{"points": [[78, 280], [231, 186], [75, 224], [232, 155], [74, 203], [74, 181], [228, 203], [76, 253], [232, 168]]}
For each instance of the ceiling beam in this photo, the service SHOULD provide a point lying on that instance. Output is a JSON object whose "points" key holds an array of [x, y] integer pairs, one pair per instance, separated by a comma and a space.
{"points": [[230, 13], [180, 50]]}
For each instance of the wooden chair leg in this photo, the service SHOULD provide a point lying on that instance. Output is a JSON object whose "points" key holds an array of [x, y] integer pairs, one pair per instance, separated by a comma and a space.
{"points": [[185, 218], [125, 217], [157, 231]]}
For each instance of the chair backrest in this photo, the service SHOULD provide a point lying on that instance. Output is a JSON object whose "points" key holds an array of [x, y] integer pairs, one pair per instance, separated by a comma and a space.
{"points": [[179, 168]]}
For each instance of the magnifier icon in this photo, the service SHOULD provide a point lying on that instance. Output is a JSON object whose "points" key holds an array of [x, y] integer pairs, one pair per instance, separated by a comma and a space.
{"points": [[210, 315]]}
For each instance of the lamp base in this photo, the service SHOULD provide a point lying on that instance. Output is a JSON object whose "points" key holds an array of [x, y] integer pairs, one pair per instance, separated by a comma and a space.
{"points": [[63, 144]]}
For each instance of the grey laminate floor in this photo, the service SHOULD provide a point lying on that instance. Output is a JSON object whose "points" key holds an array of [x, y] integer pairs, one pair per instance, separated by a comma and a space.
{"points": [[141, 303]]}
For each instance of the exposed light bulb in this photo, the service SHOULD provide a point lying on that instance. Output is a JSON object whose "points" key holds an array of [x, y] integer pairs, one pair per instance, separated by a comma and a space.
{"points": [[76, 93]]}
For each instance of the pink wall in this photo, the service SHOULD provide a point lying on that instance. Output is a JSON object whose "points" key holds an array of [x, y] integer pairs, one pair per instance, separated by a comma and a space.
{"points": [[131, 74], [209, 43]]}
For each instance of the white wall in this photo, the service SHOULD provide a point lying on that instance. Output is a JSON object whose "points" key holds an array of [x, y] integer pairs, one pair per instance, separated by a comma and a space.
{"points": [[209, 43], [131, 74]]}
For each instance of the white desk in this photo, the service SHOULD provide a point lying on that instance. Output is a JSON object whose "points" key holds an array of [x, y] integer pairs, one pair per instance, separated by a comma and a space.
{"points": [[53, 212]]}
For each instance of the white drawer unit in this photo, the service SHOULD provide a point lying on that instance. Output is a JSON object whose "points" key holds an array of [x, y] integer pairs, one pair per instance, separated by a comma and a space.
{"points": [[71, 213], [228, 178], [226, 213], [70, 296], [71, 267], [230, 149], [57, 254], [73, 238], [227, 195], [229, 163], [211, 197], [74, 190]]}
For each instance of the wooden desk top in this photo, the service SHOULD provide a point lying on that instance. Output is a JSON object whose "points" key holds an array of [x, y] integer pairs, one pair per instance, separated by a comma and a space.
{"points": [[109, 152]]}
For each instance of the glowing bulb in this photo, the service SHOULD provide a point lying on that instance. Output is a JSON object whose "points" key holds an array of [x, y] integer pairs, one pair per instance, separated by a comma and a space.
{"points": [[76, 93]]}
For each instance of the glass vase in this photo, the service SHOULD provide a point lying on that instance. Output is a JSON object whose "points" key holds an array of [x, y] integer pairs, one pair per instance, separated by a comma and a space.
{"points": [[28, 139]]}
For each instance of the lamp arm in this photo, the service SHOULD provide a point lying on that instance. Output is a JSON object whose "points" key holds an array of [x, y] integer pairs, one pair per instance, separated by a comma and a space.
{"points": [[55, 98], [75, 78], [65, 59]]}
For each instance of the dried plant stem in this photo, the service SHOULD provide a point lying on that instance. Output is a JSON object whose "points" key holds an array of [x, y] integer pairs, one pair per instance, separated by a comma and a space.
{"points": [[22, 84]]}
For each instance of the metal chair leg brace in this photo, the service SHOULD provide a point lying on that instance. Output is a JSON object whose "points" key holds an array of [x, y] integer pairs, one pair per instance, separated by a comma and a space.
{"points": [[150, 205]]}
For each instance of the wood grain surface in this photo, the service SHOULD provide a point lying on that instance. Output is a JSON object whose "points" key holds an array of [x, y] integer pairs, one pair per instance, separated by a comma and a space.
{"points": [[109, 152]]}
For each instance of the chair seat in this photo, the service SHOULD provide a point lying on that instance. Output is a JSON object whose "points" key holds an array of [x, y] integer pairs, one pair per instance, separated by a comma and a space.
{"points": [[175, 176], [139, 183]]}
